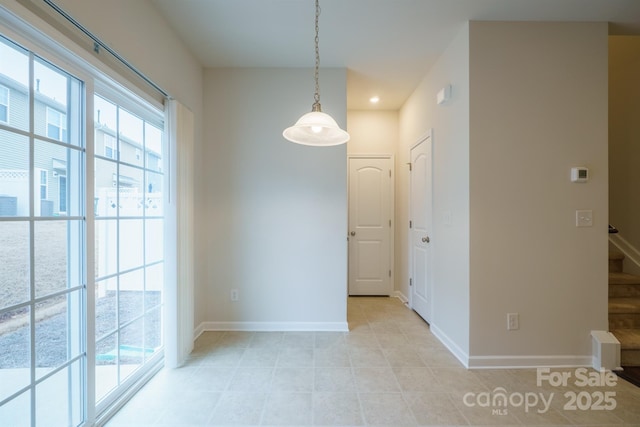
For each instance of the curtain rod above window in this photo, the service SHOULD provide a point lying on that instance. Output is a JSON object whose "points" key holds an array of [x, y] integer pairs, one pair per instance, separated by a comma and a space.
{"points": [[98, 45]]}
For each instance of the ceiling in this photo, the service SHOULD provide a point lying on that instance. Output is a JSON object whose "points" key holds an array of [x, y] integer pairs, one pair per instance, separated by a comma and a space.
{"points": [[387, 46]]}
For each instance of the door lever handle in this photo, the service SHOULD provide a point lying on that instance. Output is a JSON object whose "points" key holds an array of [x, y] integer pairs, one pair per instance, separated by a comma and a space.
{"points": [[426, 239]]}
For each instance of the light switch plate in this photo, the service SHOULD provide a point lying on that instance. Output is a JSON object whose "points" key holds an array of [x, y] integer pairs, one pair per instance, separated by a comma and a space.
{"points": [[584, 218]]}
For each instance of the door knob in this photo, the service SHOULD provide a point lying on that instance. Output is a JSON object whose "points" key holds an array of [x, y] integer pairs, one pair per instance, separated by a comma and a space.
{"points": [[426, 239], [353, 233]]}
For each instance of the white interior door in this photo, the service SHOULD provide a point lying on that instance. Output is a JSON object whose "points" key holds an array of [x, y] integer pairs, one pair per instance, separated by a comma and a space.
{"points": [[420, 213], [370, 220]]}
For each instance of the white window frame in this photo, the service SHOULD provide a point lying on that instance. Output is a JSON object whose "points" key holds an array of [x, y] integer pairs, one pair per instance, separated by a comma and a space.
{"points": [[48, 44], [39, 186], [122, 100]]}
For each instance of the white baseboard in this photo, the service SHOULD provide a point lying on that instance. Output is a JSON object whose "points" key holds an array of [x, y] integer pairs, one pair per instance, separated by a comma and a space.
{"points": [[401, 297], [509, 362], [198, 331], [631, 254], [460, 354], [272, 327], [517, 362]]}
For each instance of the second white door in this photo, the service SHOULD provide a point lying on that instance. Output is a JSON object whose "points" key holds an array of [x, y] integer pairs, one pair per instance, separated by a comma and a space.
{"points": [[420, 206], [370, 226]]}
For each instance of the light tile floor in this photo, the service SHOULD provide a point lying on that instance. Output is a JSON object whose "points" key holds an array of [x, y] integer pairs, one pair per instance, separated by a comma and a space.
{"points": [[389, 370]]}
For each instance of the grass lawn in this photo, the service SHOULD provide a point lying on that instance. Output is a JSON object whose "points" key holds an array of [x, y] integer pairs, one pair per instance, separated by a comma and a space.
{"points": [[51, 314], [50, 254]]}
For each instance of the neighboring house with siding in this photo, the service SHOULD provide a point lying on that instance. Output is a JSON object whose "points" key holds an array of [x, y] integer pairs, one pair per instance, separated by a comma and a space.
{"points": [[50, 183], [50, 177]]}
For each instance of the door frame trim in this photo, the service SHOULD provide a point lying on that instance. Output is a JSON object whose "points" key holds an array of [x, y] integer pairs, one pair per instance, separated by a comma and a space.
{"points": [[392, 198], [418, 141]]}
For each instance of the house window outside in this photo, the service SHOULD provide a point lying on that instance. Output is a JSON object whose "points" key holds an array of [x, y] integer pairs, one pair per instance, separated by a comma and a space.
{"points": [[154, 162], [56, 124], [44, 184], [110, 144], [4, 104]]}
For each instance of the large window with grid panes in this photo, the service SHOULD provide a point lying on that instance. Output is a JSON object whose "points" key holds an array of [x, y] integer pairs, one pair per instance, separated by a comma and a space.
{"points": [[81, 238]]}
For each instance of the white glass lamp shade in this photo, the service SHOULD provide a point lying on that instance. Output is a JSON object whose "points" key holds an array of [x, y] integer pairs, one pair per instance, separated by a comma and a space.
{"points": [[316, 128]]}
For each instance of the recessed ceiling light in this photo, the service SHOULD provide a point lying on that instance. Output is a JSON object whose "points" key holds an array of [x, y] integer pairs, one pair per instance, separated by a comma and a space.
{"points": [[374, 99]]}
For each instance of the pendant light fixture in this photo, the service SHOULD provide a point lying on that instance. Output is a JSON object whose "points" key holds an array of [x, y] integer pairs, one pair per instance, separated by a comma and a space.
{"points": [[316, 128]]}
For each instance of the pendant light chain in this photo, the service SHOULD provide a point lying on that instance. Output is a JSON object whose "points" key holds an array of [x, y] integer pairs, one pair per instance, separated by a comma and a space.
{"points": [[316, 128], [316, 97]]}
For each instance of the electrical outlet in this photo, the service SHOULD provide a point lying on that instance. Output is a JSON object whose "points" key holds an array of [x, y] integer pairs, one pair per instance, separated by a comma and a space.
{"points": [[584, 218], [513, 321], [235, 295]]}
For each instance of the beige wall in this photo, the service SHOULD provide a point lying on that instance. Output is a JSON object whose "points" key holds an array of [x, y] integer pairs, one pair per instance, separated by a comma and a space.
{"points": [[139, 33], [529, 101], [372, 132], [538, 107], [450, 241], [624, 128], [274, 223]]}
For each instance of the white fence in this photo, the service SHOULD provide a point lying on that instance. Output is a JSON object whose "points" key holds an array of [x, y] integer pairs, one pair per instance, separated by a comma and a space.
{"points": [[130, 248], [15, 183]]}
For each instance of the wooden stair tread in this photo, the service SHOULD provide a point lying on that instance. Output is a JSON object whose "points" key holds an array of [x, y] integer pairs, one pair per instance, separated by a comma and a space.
{"points": [[624, 308], [616, 255], [624, 305], [623, 279], [629, 338]]}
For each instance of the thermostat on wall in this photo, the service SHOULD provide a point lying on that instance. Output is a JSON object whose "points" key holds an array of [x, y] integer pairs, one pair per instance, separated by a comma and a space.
{"points": [[579, 174]]}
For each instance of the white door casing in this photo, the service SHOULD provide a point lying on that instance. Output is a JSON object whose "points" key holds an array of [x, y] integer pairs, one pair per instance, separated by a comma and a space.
{"points": [[420, 226], [370, 225]]}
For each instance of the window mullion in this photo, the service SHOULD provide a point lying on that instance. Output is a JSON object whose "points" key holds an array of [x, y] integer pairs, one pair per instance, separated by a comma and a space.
{"points": [[89, 273], [32, 289]]}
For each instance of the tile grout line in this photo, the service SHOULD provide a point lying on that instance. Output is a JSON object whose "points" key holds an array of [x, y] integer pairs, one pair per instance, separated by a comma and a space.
{"points": [[357, 389], [268, 392], [313, 379]]}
